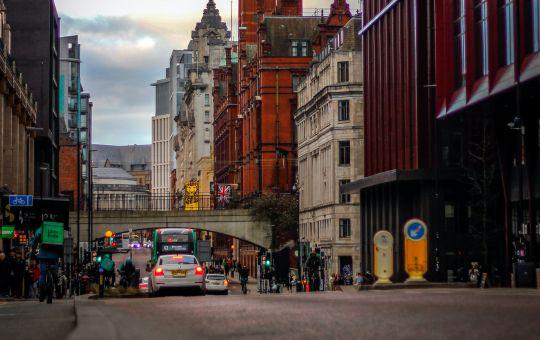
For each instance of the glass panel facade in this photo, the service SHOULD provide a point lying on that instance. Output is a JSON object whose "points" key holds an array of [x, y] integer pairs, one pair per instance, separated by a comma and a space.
{"points": [[506, 32], [460, 64], [481, 37]]}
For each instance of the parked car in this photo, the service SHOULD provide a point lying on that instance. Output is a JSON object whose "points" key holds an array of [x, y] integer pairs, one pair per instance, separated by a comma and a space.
{"points": [[143, 285]]}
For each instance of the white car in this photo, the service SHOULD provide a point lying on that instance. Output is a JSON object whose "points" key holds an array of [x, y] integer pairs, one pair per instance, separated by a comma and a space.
{"points": [[143, 285], [216, 283], [176, 272]]}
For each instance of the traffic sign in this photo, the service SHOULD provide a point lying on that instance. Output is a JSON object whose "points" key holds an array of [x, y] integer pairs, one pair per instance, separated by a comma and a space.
{"points": [[8, 231], [21, 200], [416, 257]]}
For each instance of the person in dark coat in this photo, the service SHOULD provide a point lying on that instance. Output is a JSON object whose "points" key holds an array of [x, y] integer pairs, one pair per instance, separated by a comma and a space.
{"points": [[19, 272], [5, 271]]}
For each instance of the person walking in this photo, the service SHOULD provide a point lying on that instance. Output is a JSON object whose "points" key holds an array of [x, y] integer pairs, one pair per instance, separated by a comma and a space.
{"points": [[19, 273], [4, 275]]}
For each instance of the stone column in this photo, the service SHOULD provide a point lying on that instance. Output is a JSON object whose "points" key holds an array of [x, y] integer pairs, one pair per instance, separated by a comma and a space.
{"points": [[16, 172], [22, 157], [2, 122], [6, 150], [31, 174]]}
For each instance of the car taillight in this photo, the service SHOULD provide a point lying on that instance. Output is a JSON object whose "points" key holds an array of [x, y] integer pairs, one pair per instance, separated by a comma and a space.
{"points": [[225, 283], [158, 271], [143, 285], [199, 270]]}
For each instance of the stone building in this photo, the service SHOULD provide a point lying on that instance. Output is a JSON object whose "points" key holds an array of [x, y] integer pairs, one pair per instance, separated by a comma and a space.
{"points": [[116, 189], [195, 130], [35, 38], [329, 125], [134, 159], [18, 119]]}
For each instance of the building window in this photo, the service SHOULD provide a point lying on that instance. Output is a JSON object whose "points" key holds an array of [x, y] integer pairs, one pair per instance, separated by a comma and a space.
{"points": [[481, 37], [343, 110], [207, 116], [460, 65], [344, 198], [506, 32], [206, 100], [535, 25], [344, 152], [344, 227], [295, 82], [299, 48], [343, 71]]}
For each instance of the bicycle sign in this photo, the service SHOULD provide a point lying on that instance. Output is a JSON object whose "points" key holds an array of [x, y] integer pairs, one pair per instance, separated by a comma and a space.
{"points": [[21, 200]]}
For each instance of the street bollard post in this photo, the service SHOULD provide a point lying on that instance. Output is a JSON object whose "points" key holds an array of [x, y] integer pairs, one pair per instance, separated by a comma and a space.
{"points": [[101, 283]]}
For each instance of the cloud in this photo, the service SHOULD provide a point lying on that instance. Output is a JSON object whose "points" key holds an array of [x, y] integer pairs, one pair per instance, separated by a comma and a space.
{"points": [[125, 46], [121, 57]]}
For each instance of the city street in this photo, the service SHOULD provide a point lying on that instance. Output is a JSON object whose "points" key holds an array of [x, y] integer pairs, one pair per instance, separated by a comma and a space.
{"points": [[32, 320], [435, 313]]}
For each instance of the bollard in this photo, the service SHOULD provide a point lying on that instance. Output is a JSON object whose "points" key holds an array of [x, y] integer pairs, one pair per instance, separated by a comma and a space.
{"points": [[101, 283]]}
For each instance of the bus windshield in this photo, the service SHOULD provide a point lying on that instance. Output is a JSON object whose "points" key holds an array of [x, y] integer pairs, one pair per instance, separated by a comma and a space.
{"points": [[173, 241]]}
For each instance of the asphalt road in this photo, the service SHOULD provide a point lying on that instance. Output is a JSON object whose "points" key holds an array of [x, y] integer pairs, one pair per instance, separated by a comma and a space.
{"points": [[412, 314], [30, 319]]}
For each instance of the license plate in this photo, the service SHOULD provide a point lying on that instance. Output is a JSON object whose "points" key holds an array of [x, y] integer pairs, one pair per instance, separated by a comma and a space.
{"points": [[216, 282], [179, 273]]}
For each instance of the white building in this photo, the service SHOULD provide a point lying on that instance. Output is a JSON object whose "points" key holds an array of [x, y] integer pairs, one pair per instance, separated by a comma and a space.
{"points": [[329, 123], [195, 129], [161, 132]]}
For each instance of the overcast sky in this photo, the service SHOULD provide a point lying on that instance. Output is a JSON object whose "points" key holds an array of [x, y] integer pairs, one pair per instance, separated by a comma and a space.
{"points": [[125, 46]]}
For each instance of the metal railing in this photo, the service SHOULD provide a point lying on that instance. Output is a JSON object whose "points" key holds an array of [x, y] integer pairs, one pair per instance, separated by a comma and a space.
{"points": [[146, 202]]}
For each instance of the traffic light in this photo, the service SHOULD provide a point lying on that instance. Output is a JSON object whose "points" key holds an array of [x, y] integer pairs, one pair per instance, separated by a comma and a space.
{"points": [[266, 261], [98, 259]]}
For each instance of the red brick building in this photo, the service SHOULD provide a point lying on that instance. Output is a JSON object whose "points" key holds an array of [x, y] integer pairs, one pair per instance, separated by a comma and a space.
{"points": [[68, 171], [276, 46], [227, 125]]}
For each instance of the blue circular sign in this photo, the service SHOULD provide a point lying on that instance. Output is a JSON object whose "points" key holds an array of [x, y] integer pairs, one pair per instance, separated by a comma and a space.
{"points": [[415, 230]]}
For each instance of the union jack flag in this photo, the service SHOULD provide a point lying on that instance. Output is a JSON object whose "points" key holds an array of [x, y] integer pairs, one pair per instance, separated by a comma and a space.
{"points": [[224, 194]]}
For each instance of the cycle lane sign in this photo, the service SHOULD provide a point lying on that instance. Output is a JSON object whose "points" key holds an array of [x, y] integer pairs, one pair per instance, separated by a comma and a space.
{"points": [[21, 200]]}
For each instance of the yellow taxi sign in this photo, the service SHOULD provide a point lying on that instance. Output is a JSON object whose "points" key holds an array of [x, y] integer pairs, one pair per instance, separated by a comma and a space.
{"points": [[416, 252]]}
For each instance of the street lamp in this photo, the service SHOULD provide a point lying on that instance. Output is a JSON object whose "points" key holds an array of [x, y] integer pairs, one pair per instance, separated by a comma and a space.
{"points": [[517, 125]]}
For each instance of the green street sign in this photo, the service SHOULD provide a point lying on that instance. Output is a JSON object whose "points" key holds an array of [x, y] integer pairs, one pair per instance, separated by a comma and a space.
{"points": [[8, 231], [53, 233]]}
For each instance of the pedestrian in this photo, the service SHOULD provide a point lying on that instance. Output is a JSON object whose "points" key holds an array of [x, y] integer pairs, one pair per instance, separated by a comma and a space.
{"points": [[359, 279], [19, 272], [4, 275]]}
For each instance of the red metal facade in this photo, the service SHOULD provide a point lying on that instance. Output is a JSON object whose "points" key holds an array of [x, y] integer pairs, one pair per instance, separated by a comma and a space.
{"points": [[452, 97], [398, 113]]}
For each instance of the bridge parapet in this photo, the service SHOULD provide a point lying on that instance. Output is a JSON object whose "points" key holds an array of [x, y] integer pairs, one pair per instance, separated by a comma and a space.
{"points": [[238, 223]]}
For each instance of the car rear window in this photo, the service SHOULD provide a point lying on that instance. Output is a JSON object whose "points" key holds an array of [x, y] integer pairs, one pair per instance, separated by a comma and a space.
{"points": [[215, 277], [177, 259]]}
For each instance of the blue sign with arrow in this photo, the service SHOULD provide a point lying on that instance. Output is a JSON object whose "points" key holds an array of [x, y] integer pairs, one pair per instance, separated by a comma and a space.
{"points": [[21, 200]]}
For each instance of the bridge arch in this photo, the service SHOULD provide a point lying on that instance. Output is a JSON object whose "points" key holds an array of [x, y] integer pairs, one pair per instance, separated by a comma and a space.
{"points": [[238, 223]]}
